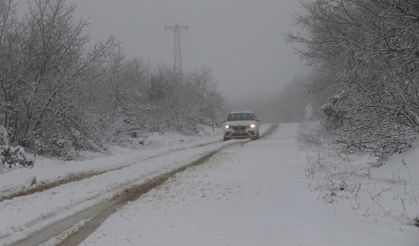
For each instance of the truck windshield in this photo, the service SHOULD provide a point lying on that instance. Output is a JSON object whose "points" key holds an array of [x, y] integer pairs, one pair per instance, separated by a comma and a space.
{"points": [[240, 116]]}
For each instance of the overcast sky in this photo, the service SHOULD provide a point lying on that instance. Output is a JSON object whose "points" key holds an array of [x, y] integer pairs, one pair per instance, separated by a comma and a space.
{"points": [[241, 41]]}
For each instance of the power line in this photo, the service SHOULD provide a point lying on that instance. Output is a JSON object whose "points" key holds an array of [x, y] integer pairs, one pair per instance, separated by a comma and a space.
{"points": [[125, 13], [150, 12], [130, 15], [176, 29]]}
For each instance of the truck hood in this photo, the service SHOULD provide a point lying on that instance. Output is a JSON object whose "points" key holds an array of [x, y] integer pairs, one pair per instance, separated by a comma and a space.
{"points": [[240, 123]]}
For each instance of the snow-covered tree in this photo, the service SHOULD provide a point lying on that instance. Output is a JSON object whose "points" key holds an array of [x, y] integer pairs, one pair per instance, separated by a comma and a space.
{"points": [[59, 96], [370, 50]]}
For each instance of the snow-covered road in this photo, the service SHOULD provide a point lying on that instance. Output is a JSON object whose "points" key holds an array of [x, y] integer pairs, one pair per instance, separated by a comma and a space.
{"points": [[247, 193], [35, 217], [255, 194]]}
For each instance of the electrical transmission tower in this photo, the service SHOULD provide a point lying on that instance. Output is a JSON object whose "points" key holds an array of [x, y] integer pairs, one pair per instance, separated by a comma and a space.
{"points": [[177, 65]]}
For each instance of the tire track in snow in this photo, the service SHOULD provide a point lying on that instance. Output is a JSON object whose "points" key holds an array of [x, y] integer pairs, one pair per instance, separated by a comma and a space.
{"points": [[79, 176], [93, 217]]}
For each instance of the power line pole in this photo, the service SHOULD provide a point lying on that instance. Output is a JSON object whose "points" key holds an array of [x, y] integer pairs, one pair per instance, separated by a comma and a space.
{"points": [[177, 65]]}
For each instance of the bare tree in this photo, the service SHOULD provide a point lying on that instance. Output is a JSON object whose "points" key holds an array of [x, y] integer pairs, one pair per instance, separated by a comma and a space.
{"points": [[41, 57], [57, 96], [371, 47]]}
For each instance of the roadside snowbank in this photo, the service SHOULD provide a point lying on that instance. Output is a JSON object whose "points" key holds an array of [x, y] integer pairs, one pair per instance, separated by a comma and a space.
{"points": [[386, 193]]}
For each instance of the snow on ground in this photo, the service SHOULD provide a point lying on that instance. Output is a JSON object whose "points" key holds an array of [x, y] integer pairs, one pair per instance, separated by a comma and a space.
{"points": [[386, 193], [256, 194], [22, 216], [49, 170]]}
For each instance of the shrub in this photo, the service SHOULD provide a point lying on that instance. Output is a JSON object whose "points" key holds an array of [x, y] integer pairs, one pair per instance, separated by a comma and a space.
{"points": [[15, 157]]}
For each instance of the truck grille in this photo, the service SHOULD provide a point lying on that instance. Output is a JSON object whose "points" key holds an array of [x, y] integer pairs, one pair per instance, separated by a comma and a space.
{"points": [[239, 128]]}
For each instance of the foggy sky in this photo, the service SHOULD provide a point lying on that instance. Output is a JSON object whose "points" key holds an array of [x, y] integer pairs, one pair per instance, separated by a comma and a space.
{"points": [[241, 41]]}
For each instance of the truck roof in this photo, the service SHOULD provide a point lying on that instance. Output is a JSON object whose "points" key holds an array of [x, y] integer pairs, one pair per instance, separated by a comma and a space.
{"points": [[241, 112]]}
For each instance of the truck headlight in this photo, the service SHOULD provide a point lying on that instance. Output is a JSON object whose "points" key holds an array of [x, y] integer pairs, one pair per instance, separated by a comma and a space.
{"points": [[252, 126], [227, 127]]}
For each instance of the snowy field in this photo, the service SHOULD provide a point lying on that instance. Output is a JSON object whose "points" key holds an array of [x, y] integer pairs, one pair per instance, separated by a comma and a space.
{"points": [[256, 194]]}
